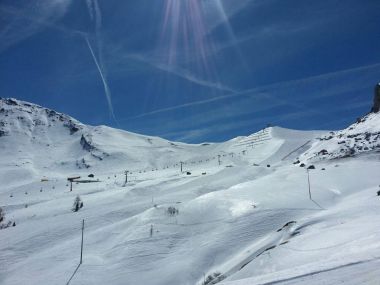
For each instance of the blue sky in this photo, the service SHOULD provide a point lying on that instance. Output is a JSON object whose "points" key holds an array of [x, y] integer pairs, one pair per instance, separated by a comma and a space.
{"points": [[193, 70]]}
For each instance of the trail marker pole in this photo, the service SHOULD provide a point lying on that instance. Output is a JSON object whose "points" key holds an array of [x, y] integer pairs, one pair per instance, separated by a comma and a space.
{"points": [[308, 182], [81, 256], [181, 166], [81, 247]]}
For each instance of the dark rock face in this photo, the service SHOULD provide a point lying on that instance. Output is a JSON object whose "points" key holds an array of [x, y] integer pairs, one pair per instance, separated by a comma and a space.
{"points": [[72, 127], [376, 99], [86, 144], [10, 102]]}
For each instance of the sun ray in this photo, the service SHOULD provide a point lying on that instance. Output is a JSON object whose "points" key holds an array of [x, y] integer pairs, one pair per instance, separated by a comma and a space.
{"points": [[183, 33]]}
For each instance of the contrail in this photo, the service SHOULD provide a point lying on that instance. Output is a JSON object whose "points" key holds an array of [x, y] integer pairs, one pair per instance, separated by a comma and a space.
{"points": [[90, 8], [184, 74], [95, 14], [260, 91], [106, 88], [98, 15]]}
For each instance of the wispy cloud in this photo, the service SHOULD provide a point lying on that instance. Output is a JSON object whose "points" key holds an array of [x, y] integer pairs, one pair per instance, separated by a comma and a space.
{"points": [[264, 91], [283, 103], [96, 16], [91, 9], [177, 107], [180, 72], [107, 91], [26, 21], [218, 11]]}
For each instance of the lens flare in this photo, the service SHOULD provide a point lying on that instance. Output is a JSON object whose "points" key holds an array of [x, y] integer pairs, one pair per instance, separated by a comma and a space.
{"points": [[184, 34]]}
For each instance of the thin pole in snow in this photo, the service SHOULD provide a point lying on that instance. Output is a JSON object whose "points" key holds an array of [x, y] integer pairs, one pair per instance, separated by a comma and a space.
{"points": [[81, 256], [81, 247], [181, 166], [308, 181]]}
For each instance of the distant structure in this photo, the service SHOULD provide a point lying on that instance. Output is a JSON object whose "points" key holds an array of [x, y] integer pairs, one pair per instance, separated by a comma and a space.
{"points": [[376, 99]]}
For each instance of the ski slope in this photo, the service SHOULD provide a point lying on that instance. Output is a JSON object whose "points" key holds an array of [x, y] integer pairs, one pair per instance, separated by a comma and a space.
{"points": [[244, 212]]}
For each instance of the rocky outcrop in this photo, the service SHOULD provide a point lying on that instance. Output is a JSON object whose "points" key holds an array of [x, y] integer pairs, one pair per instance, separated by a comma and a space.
{"points": [[376, 99], [359, 138], [86, 144], [73, 127]]}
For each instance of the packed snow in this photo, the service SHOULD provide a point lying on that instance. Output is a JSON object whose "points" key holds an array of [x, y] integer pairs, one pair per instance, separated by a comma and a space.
{"points": [[239, 212]]}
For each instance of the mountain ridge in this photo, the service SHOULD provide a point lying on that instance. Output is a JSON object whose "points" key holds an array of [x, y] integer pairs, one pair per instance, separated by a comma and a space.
{"points": [[87, 146]]}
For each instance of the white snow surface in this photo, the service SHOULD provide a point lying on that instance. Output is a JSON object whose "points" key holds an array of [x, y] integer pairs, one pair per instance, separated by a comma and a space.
{"points": [[244, 212]]}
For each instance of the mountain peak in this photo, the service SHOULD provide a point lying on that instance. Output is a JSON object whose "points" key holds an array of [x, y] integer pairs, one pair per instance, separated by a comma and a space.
{"points": [[17, 115]]}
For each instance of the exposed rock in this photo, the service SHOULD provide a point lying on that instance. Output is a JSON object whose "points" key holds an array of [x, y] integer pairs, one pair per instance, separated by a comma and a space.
{"points": [[51, 113], [376, 99], [72, 127], [86, 144], [11, 102]]}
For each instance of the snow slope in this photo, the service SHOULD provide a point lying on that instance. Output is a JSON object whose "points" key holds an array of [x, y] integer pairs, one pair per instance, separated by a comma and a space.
{"points": [[359, 138], [244, 213]]}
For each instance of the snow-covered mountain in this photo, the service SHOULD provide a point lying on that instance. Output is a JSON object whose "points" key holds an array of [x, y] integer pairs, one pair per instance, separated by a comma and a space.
{"points": [[360, 138], [240, 212], [41, 141]]}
